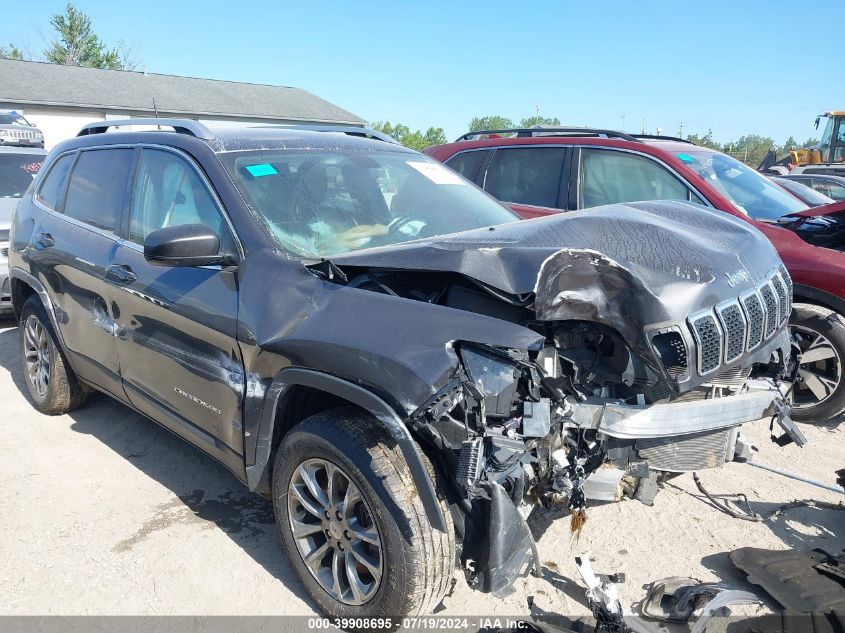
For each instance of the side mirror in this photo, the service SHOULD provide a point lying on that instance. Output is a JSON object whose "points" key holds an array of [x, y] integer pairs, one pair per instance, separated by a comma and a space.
{"points": [[184, 245]]}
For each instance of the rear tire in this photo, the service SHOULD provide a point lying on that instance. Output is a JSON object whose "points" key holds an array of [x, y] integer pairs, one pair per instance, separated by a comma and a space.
{"points": [[416, 561], [52, 386], [819, 391]]}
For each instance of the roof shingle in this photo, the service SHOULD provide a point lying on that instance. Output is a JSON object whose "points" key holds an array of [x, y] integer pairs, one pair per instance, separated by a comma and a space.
{"points": [[39, 83]]}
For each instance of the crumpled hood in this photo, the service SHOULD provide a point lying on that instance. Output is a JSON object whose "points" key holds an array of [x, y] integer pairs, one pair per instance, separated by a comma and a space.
{"points": [[638, 268], [665, 244]]}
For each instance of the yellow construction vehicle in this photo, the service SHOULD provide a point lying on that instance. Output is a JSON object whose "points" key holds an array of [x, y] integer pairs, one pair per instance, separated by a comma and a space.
{"points": [[830, 151]]}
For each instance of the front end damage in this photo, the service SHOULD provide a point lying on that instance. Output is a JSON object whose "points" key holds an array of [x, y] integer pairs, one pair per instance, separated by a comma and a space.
{"points": [[644, 365]]}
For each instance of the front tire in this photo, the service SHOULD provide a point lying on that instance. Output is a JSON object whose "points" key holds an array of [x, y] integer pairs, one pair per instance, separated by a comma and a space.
{"points": [[819, 391], [51, 383], [352, 522]]}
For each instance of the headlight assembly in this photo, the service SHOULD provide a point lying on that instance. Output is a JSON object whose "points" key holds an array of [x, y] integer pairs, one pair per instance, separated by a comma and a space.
{"points": [[494, 376]]}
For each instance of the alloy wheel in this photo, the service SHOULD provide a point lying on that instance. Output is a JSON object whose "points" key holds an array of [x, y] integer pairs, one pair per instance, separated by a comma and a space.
{"points": [[819, 368], [37, 355], [335, 532]]}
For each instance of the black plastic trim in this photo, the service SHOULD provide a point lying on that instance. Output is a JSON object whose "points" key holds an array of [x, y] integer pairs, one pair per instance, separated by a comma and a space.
{"points": [[258, 473]]}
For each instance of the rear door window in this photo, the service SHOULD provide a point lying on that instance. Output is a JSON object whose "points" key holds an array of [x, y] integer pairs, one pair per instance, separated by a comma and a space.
{"points": [[467, 163], [610, 177], [54, 184], [98, 187], [526, 175]]}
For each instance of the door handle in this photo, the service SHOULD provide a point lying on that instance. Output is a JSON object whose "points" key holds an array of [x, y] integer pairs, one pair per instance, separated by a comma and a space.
{"points": [[44, 240], [121, 274]]}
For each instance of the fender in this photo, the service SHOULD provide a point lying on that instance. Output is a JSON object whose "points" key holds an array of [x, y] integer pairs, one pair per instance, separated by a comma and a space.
{"points": [[41, 291], [257, 473], [818, 296]]}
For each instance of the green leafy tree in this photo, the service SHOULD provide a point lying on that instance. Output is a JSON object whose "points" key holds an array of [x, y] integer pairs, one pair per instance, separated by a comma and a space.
{"points": [[492, 122], [77, 45], [811, 142], [434, 136], [11, 52], [789, 144], [705, 141], [751, 148], [531, 121], [415, 139]]}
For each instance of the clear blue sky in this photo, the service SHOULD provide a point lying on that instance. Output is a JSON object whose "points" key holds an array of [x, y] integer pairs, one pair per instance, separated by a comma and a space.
{"points": [[733, 67]]}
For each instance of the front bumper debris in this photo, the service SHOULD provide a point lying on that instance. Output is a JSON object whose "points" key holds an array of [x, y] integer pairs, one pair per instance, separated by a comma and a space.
{"points": [[633, 422]]}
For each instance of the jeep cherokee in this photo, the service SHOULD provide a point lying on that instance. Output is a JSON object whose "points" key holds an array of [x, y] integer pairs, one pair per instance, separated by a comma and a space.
{"points": [[376, 344]]}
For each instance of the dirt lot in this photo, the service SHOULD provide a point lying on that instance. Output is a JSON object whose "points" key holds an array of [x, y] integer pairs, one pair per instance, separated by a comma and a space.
{"points": [[103, 512]]}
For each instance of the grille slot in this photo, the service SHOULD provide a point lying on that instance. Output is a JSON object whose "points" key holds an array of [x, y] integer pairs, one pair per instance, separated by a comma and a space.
{"points": [[756, 318], [786, 279], [709, 339], [684, 453], [733, 325], [784, 297], [771, 306]]}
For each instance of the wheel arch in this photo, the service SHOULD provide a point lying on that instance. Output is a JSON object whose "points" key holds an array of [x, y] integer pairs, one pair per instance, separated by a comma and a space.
{"points": [[25, 285], [297, 393], [814, 296]]}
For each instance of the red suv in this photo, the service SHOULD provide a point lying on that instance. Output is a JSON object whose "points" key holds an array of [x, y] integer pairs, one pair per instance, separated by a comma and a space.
{"points": [[539, 171]]}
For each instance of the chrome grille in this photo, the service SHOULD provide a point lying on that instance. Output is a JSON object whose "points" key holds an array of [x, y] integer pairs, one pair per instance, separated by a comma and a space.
{"points": [[734, 327], [708, 339], [20, 134]]}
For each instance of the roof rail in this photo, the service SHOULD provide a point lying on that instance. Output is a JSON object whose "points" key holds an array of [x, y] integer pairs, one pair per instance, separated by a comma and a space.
{"points": [[551, 131], [660, 137], [351, 130], [182, 126]]}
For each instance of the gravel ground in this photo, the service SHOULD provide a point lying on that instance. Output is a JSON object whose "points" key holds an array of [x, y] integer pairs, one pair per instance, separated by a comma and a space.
{"points": [[105, 513]]}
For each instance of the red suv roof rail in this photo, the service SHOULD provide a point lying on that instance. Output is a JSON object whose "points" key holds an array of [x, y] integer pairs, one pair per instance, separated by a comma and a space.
{"points": [[550, 131], [660, 137]]}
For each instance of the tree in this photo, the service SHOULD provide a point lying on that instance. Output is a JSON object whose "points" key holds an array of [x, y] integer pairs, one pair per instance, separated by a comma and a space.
{"points": [[413, 139], [12, 52], [811, 142], [531, 121], [789, 144], [78, 45], [492, 122], [704, 141], [752, 148]]}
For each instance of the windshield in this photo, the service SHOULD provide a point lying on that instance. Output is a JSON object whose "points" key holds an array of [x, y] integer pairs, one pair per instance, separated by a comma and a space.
{"points": [[321, 203], [17, 172], [750, 191], [12, 118]]}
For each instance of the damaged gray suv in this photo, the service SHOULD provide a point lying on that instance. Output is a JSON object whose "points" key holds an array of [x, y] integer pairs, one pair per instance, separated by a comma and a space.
{"points": [[383, 349]]}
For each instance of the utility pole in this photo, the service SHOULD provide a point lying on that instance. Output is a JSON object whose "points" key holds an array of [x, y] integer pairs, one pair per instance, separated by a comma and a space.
{"points": [[681, 130], [642, 130]]}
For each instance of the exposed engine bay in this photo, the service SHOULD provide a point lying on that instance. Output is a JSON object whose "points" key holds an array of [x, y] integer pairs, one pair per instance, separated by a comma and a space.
{"points": [[640, 362]]}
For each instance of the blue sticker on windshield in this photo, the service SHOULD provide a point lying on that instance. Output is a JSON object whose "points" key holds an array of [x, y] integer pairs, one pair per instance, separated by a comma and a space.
{"points": [[686, 158], [262, 169]]}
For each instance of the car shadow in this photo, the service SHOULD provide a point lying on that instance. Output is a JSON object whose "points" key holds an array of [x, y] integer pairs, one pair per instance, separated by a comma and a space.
{"points": [[205, 492]]}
